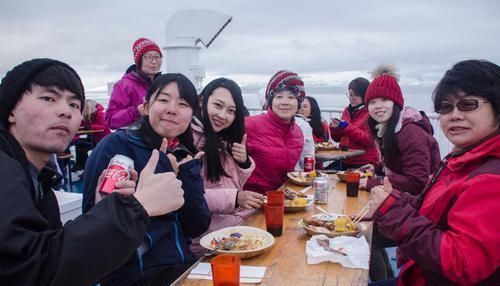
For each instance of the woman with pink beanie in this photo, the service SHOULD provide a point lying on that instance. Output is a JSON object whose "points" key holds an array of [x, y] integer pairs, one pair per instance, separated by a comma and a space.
{"points": [[126, 103]]}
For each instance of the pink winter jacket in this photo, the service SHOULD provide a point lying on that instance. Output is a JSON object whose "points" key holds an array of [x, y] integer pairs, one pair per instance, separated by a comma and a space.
{"points": [[127, 93], [221, 196], [275, 146]]}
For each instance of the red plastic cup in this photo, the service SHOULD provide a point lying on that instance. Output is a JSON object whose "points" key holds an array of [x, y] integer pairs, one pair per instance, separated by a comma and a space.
{"points": [[275, 198], [274, 219], [226, 270], [352, 183], [344, 143]]}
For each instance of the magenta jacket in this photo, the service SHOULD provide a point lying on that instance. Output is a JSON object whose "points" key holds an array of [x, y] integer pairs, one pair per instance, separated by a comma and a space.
{"points": [[221, 196], [127, 93], [449, 235], [275, 147], [418, 157]]}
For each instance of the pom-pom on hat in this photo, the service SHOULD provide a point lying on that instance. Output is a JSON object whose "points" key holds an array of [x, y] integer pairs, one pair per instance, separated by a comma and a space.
{"points": [[285, 80], [142, 46], [385, 85]]}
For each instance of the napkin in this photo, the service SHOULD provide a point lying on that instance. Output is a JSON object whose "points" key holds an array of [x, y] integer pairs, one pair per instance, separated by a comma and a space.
{"points": [[357, 250], [248, 274]]}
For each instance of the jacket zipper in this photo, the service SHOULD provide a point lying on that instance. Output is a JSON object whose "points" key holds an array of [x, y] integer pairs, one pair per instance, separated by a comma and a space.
{"points": [[177, 243]]}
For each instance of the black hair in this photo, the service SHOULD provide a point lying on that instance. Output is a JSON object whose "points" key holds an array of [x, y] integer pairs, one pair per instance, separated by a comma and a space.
{"points": [[315, 119], [473, 77], [62, 78], [187, 91], [217, 143], [388, 142], [359, 85]]}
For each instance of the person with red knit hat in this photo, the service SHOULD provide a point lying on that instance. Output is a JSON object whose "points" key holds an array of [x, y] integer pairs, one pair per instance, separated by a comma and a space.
{"points": [[409, 152], [274, 140], [127, 98]]}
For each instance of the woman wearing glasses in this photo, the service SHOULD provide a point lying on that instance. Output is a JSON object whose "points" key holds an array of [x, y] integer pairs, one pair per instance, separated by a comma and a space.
{"points": [[127, 98], [274, 140], [448, 234], [409, 152], [353, 124]]}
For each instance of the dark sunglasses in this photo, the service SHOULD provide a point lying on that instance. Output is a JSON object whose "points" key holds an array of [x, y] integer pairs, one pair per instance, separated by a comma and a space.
{"points": [[463, 105]]}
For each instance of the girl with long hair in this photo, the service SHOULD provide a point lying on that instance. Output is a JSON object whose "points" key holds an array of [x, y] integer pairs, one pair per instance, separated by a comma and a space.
{"points": [[164, 253], [226, 164], [310, 109]]}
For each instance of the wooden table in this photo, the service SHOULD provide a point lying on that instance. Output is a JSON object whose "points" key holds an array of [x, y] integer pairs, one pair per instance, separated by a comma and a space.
{"points": [[333, 155], [286, 262]]}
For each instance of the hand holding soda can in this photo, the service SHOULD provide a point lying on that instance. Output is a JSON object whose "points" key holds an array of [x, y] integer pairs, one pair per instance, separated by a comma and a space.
{"points": [[118, 170]]}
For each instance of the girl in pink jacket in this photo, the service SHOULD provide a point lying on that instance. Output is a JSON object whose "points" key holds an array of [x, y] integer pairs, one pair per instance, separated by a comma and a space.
{"points": [[226, 164]]}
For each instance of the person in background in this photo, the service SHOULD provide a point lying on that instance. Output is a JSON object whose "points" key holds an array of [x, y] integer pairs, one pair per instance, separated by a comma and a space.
{"points": [[164, 253], [354, 125], [447, 235], [93, 119], [126, 102], [310, 110], [307, 132], [41, 101], [410, 154], [274, 141], [226, 164]]}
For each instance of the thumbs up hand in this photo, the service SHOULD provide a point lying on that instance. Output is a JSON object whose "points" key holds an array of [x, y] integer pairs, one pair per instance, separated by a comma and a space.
{"points": [[158, 193], [240, 150]]}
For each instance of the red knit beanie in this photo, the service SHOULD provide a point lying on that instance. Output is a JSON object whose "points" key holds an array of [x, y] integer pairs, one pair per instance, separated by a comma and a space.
{"points": [[385, 85], [142, 46], [285, 80]]}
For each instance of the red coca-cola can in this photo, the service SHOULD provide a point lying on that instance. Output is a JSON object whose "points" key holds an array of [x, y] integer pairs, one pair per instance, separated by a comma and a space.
{"points": [[308, 163], [118, 170]]}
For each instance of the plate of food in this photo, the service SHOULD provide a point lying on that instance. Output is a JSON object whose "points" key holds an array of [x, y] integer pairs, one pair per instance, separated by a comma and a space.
{"points": [[297, 201], [342, 176], [302, 178], [326, 146], [243, 241], [331, 225]]}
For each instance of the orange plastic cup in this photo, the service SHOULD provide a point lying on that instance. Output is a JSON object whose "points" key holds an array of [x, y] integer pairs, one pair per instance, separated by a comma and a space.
{"points": [[344, 143], [274, 219], [275, 198], [226, 270], [352, 183]]}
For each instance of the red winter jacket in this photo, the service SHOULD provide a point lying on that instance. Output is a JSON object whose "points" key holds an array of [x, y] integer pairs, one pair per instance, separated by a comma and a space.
{"points": [[359, 137], [452, 237], [409, 169], [275, 146]]}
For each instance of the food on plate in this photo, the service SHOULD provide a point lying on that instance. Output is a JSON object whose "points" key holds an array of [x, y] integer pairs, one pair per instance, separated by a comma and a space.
{"points": [[290, 195], [340, 224], [296, 202], [237, 242], [303, 176]]}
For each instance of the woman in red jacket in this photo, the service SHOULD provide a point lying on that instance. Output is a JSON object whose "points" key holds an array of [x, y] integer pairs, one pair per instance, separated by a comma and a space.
{"points": [[410, 153], [353, 124], [274, 140], [449, 234]]}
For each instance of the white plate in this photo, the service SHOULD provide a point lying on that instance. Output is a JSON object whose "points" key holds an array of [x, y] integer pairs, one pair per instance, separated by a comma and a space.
{"points": [[267, 238], [328, 217], [310, 201]]}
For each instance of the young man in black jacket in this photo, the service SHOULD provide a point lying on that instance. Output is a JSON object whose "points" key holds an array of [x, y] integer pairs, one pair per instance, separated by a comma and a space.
{"points": [[40, 111]]}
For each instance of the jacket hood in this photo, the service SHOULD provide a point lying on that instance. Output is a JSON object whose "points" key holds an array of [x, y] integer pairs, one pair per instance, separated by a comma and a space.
{"points": [[410, 115], [134, 76]]}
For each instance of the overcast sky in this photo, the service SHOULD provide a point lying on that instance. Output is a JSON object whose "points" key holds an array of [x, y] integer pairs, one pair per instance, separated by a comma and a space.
{"points": [[328, 42]]}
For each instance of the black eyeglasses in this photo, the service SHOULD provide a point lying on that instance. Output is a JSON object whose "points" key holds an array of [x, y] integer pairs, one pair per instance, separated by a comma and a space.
{"points": [[463, 105]]}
